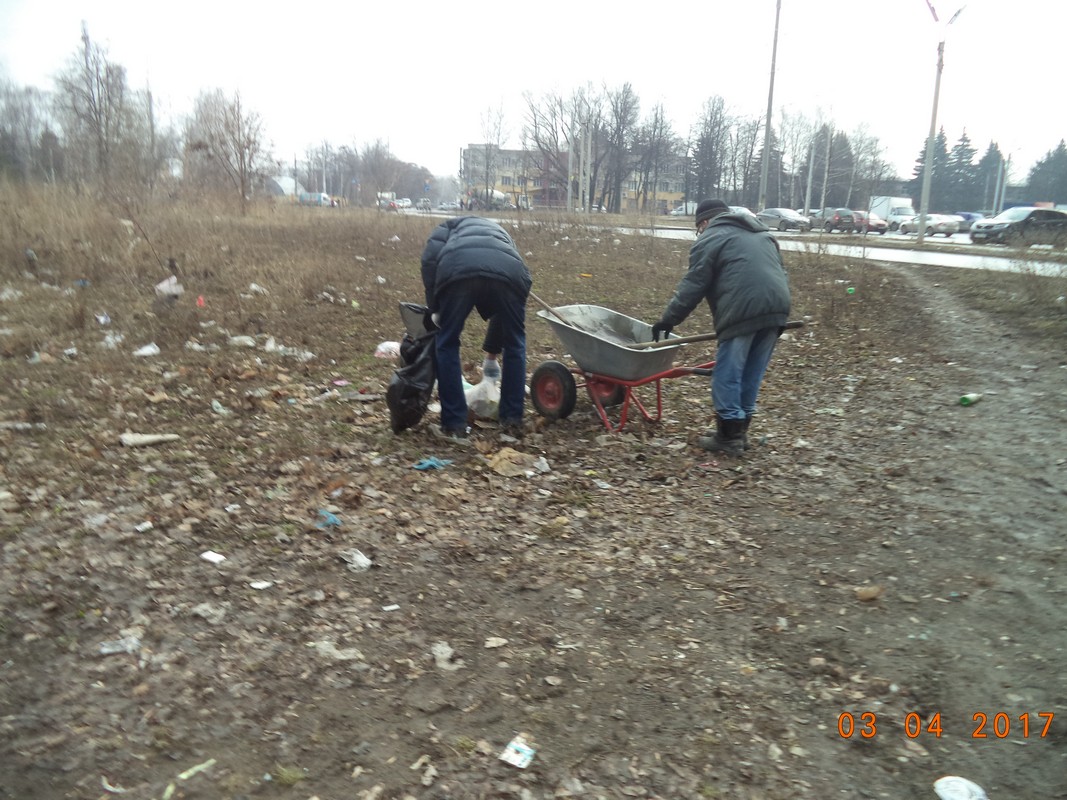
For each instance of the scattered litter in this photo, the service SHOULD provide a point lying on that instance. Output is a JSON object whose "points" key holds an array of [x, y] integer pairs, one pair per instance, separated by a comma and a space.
{"points": [[493, 642], [112, 789], [148, 350], [103, 319], [602, 484], [970, 399], [255, 288], [381, 280], [328, 648], [387, 350], [22, 426], [868, 593], [144, 439], [213, 557], [220, 409], [71, 352], [518, 753], [327, 520], [127, 644], [511, 463], [197, 769], [483, 399], [952, 787], [200, 301], [432, 463], [261, 585], [357, 562], [242, 341], [393, 607], [442, 656], [169, 287], [144, 526]]}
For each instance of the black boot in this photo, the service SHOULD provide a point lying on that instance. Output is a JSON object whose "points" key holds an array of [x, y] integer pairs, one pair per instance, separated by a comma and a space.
{"points": [[744, 433], [728, 438]]}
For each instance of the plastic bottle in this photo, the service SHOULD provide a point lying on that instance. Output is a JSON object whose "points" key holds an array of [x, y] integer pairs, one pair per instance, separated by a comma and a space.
{"points": [[970, 399], [491, 369]]}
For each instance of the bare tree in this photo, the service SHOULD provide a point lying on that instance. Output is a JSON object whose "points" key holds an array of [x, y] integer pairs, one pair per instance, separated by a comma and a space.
{"points": [[548, 132], [224, 143], [654, 152], [380, 168], [620, 133], [24, 131], [711, 144], [93, 96]]}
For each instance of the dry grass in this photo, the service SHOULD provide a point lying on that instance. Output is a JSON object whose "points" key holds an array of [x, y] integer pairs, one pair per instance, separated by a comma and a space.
{"points": [[319, 264]]}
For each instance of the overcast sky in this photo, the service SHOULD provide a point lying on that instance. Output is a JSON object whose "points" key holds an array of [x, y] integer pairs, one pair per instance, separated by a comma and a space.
{"points": [[423, 75]]}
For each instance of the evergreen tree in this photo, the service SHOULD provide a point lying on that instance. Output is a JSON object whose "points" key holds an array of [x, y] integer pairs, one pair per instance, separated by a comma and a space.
{"points": [[938, 173], [962, 177], [986, 174], [1048, 178]]}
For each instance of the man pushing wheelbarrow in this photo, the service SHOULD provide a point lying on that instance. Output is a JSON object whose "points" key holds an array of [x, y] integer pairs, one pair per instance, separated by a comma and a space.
{"points": [[736, 265]]}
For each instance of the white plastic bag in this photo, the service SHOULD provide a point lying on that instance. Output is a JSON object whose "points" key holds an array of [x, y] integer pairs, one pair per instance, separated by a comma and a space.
{"points": [[483, 399]]}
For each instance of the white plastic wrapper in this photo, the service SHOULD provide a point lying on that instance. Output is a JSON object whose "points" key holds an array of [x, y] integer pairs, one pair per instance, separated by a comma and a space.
{"points": [[388, 350], [952, 787], [483, 399]]}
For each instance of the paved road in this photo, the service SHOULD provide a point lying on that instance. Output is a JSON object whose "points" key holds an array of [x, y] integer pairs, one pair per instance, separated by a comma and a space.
{"points": [[944, 253]]}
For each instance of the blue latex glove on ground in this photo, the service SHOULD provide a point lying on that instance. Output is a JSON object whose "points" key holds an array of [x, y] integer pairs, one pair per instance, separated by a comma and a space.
{"points": [[432, 463]]}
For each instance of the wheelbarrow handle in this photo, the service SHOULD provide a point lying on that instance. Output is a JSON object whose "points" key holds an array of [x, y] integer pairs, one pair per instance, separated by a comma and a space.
{"points": [[552, 311], [699, 337]]}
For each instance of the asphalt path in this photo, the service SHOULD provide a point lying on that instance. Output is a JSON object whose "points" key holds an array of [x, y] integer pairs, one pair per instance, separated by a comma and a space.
{"points": [[936, 252]]}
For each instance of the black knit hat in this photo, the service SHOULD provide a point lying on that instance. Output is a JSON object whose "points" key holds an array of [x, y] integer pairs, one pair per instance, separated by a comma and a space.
{"points": [[710, 208]]}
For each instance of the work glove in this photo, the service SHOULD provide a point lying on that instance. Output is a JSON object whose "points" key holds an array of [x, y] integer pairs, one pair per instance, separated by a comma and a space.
{"points": [[661, 330]]}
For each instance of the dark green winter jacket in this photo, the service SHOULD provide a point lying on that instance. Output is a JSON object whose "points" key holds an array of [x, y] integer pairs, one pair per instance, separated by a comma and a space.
{"points": [[736, 265]]}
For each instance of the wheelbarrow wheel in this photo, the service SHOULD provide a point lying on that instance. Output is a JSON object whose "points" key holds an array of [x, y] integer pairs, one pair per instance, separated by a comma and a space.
{"points": [[607, 392], [553, 390]]}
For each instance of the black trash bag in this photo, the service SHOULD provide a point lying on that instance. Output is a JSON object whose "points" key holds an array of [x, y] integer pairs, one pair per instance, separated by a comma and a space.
{"points": [[411, 386]]}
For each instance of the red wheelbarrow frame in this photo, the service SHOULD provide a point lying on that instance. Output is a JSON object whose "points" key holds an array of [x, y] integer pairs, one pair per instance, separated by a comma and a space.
{"points": [[601, 386]]}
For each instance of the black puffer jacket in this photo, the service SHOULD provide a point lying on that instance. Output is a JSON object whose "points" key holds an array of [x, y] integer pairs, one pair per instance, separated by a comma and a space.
{"points": [[471, 247], [736, 265]]}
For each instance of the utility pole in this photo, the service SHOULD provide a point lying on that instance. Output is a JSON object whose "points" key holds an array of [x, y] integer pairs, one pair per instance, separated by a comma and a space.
{"points": [[765, 167], [928, 166]]}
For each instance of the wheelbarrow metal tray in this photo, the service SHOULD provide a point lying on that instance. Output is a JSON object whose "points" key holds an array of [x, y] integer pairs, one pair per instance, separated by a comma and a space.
{"points": [[598, 345]]}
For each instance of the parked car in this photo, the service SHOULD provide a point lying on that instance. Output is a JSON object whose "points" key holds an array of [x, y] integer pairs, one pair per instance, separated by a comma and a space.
{"points": [[404, 202], [869, 223], [1023, 226], [784, 219], [968, 218], [684, 210], [448, 205], [945, 224], [423, 204], [840, 219]]}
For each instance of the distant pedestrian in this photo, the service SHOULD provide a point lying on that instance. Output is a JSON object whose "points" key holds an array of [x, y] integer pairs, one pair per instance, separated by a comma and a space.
{"points": [[472, 263], [736, 266]]}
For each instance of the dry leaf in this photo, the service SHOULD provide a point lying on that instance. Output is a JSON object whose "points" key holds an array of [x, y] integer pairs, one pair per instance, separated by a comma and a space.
{"points": [[867, 593]]}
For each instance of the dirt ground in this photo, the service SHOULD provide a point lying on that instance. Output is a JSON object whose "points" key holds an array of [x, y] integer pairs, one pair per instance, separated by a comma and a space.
{"points": [[657, 623]]}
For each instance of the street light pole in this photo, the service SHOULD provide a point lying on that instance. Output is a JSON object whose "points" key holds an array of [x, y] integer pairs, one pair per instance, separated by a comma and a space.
{"points": [[765, 166], [928, 166]]}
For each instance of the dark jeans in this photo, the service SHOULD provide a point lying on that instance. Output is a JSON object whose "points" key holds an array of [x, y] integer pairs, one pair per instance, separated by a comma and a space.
{"points": [[498, 302]]}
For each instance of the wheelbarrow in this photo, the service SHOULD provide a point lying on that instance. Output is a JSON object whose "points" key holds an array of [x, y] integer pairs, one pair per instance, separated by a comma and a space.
{"points": [[614, 356]]}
